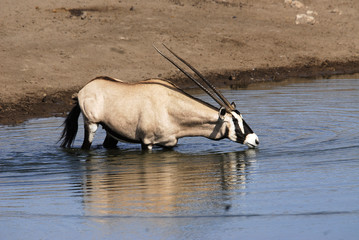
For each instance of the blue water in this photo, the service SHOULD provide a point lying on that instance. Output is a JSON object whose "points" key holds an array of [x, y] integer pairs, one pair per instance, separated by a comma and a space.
{"points": [[301, 183]]}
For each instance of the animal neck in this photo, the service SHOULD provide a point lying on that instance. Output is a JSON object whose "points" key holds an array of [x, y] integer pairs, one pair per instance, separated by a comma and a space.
{"points": [[209, 130], [201, 120]]}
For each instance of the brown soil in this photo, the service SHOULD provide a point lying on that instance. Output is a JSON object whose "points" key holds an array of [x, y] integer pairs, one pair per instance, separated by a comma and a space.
{"points": [[50, 49]]}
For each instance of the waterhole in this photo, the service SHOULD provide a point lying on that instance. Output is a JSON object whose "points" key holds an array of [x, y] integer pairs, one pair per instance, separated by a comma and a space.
{"points": [[301, 183]]}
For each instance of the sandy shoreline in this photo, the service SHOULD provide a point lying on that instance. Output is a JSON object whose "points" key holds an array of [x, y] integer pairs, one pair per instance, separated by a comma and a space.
{"points": [[59, 103], [50, 49]]}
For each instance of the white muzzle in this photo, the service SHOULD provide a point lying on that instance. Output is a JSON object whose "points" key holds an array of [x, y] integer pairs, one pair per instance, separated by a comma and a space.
{"points": [[251, 140]]}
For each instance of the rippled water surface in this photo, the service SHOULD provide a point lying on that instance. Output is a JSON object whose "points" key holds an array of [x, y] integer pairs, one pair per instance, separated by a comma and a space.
{"points": [[302, 182]]}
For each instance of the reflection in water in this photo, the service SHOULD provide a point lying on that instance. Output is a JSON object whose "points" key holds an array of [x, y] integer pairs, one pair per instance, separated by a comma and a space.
{"points": [[163, 183], [302, 181]]}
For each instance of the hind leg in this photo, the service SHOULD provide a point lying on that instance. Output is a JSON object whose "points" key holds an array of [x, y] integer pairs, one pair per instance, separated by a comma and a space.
{"points": [[110, 142], [90, 130]]}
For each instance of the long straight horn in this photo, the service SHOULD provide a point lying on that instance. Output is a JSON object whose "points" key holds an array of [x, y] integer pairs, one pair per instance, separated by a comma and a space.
{"points": [[193, 79], [219, 94]]}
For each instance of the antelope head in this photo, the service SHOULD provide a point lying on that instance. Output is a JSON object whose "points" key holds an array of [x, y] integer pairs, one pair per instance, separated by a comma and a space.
{"points": [[238, 129]]}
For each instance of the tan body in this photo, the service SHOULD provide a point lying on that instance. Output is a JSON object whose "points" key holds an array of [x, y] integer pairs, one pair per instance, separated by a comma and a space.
{"points": [[152, 112]]}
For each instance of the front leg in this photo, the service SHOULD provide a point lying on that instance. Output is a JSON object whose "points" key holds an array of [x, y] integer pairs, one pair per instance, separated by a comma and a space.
{"points": [[150, 139], [168, 144], [146, 147]]}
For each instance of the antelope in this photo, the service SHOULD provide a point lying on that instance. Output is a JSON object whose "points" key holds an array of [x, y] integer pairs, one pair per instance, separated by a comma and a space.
{"points": [[153, 112]]}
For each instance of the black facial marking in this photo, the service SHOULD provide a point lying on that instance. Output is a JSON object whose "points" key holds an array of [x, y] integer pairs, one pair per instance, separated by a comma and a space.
{"points": [[239, 134], [247, 130]]}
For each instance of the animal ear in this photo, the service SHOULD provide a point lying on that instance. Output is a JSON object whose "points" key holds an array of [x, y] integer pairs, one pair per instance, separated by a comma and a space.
{"points": [[222, 113], [233, 105]]}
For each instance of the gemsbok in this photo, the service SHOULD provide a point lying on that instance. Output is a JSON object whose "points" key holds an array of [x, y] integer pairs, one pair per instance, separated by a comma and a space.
{"points": [[153, 112]]}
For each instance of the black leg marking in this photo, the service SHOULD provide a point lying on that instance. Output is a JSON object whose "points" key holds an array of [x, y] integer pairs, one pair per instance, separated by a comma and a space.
{"points": [[110, 142]]}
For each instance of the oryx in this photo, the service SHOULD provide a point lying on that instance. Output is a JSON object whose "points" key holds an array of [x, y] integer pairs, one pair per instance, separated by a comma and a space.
{"points": [[153, 112]]}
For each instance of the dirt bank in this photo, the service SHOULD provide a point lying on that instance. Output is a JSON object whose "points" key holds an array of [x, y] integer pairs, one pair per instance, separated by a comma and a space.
{"points": [[49, 49]]}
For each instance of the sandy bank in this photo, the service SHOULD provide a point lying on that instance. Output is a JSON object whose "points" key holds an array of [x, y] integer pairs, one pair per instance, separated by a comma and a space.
{"points": [[50, 49]]}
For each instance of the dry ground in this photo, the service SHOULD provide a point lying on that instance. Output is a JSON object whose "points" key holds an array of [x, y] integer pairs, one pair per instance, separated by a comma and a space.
{"points": [[49, 49]]}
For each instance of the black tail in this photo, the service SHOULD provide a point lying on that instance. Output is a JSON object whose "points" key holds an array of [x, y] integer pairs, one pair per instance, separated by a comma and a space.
{"points": [[71, 126]]}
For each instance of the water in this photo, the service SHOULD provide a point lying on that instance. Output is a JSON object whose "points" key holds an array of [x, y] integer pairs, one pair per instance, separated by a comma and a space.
{"points": [[302, 183]]}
